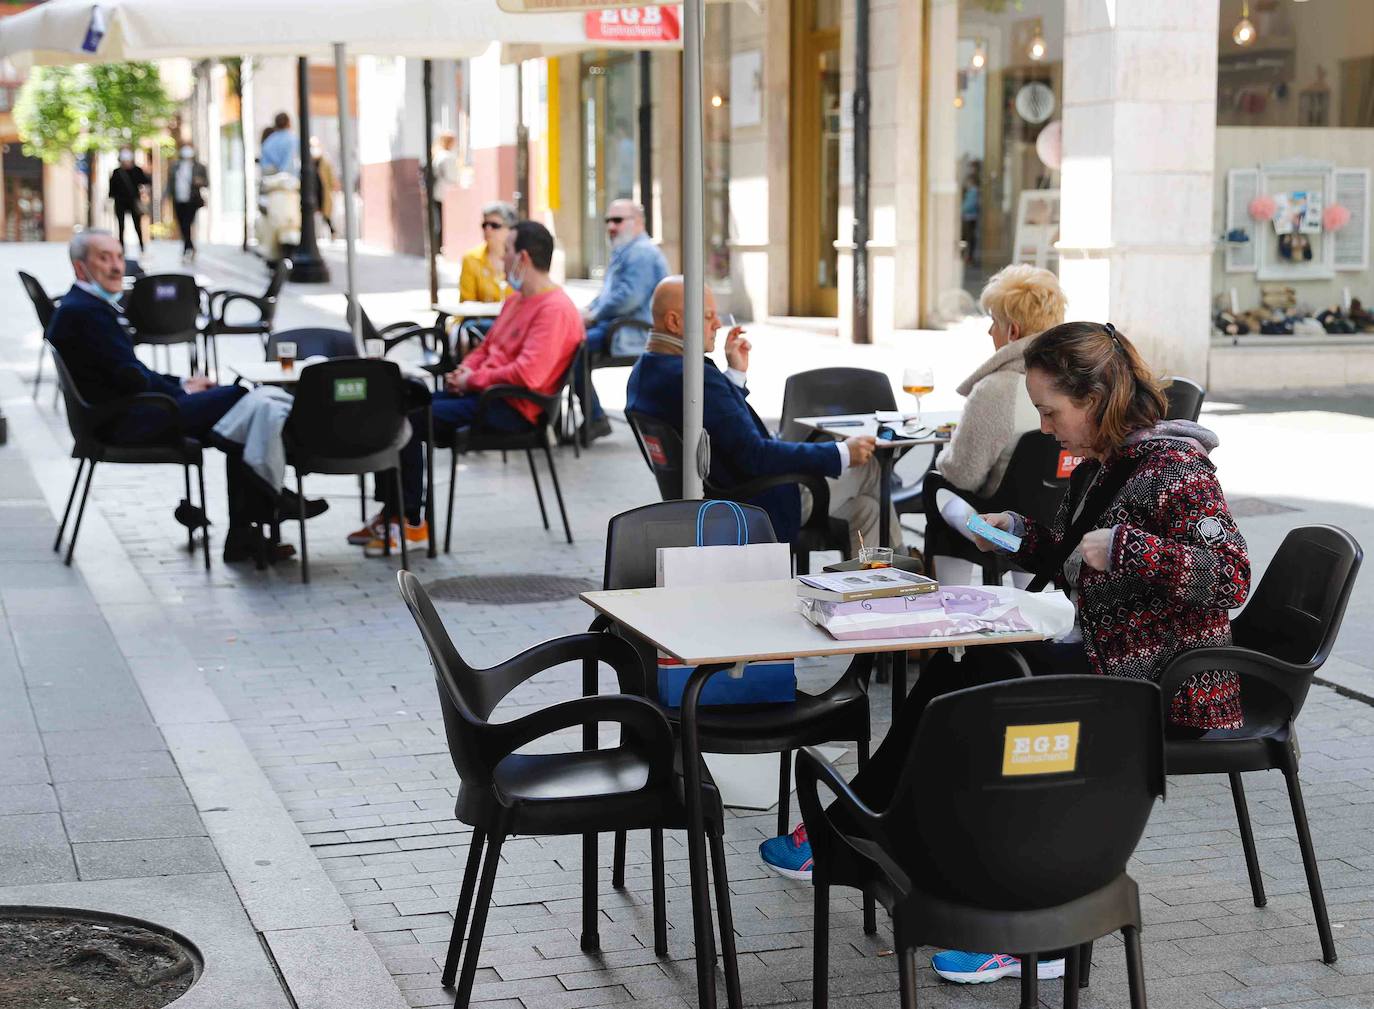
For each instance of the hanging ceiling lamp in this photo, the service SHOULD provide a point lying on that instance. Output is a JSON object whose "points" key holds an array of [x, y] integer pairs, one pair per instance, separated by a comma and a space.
{"points": [[1037, 45], [1244, 32]]}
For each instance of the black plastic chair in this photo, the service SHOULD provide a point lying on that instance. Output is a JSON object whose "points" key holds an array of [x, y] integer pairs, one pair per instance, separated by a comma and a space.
{"points": [[44, 306], [436, 356], [976, 851], [661, 446], [589, 361], [840, 713], [164, 311], [218, 303], [478, 439], [89, 445], [1031, 485], [313, 341], [1185, 399], [1281, 638], [349, 416], [634, 785]]}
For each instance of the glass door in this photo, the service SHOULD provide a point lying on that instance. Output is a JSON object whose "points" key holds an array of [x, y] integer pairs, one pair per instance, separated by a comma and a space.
{"points": [[815, 158], [610, 163]]}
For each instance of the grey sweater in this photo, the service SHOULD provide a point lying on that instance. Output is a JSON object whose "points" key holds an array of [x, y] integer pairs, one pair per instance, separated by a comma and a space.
{"points": [[997, 412]]}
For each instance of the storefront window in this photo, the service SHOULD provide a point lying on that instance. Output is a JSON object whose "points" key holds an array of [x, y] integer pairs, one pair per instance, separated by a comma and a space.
{"points": [[610, 162], [996, 102], [1287, 64]]}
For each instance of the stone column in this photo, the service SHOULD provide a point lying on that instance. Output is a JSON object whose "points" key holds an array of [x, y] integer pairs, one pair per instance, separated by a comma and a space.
{"points": [[1139, 146]]}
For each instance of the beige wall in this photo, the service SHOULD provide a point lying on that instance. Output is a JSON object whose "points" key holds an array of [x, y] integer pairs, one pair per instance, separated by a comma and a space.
{"points": [[1248, 147]]}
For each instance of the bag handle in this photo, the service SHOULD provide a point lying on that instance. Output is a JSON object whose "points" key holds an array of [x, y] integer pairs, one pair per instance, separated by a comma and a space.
{"points": [[741, 522]]}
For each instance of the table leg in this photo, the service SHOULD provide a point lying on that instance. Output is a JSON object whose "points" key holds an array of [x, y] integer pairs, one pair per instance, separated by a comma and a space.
{"points": [[703, 930], [429, 483], [885, 464], [898, 681]]}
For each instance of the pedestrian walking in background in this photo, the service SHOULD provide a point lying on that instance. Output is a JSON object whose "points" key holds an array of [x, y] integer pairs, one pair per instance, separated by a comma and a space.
{"points": [[128, 184], [322, 177], [445, 181], [281, 149], [187, 181]]}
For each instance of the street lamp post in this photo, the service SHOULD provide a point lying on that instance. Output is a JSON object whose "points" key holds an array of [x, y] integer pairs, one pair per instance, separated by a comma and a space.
{"points": [[306, 265]]}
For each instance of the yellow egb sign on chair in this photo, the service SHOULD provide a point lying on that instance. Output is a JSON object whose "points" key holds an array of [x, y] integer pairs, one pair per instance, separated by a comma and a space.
{"points": [[1051, 748]]}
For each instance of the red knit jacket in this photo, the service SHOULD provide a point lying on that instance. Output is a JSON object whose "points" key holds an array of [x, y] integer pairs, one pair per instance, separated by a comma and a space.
{"points": [[1178, 564]]}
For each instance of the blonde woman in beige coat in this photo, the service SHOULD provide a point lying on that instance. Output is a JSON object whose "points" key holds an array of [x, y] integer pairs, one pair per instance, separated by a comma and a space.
{"points": [[1022, 301]]}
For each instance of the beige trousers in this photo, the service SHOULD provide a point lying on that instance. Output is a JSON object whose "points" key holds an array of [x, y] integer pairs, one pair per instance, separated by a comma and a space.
{"points": [[854, 497]]}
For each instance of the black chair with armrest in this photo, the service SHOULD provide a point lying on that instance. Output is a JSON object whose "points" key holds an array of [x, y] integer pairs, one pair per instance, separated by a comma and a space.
{"points": [[435, 356], [661, 445], [1185, 399], [164, 311], [635, 785], [313, 341], [349, 417], [44, 306], [90, 445], [478, 439], [1280, 639], [261, 310], [1022, 857], [589, 361], [1031, 485]]}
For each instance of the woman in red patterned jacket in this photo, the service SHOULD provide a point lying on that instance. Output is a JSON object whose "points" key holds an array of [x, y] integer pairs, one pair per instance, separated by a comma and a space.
{"points": [[1143, 543]]}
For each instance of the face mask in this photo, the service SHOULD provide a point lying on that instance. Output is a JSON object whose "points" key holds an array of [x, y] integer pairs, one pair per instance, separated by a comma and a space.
{"points": [[188, 153], [516, 282]]}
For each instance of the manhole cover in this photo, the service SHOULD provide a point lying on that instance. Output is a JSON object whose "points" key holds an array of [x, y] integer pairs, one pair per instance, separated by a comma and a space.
{"points": [[53, 958], [1250, 507], [509, 588]]}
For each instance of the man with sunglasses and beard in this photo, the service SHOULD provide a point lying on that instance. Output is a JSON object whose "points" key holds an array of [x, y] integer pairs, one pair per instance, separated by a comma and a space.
{"points": [[636, 267]]}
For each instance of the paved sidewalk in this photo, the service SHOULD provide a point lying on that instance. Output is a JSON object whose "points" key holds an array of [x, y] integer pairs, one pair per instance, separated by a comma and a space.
{"points": [[331, 690]]}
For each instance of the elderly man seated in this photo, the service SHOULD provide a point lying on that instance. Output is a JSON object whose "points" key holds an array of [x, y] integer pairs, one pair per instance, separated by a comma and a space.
{"points": [[87, 332], [742, 448], [634, 271], [531, 345]]}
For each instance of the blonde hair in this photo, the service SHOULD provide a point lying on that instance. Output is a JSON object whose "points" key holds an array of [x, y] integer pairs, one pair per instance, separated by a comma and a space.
{"points": [[1025, 295]]}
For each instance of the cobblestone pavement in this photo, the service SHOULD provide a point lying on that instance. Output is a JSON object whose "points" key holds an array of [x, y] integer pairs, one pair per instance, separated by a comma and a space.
{"points": [[329, 685]]}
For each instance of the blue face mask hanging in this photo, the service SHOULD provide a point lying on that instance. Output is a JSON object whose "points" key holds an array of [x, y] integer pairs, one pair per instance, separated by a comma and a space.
{"points": [[515, 282]]}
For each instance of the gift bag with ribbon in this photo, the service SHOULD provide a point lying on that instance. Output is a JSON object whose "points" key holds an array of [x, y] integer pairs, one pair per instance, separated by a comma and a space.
{"points": [[724, 554]]}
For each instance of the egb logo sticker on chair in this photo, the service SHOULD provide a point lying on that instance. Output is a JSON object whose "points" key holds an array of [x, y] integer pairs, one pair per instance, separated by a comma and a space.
{"points": [[1051, 748], [350, 390]]}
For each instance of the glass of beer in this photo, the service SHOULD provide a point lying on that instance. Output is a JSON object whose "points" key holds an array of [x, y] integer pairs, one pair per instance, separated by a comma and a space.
{"points": [[286, 355], [918, 381]]}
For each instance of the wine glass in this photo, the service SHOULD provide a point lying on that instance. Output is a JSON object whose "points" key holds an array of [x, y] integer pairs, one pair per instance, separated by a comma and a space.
{"points": [[918, 381]]}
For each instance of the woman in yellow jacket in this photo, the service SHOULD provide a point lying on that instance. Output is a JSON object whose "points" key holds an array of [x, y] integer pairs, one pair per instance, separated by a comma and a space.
{"points": [[484, 274]]}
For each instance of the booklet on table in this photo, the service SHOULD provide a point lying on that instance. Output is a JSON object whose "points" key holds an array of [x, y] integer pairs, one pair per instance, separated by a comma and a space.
{"points": [[873, 583]]}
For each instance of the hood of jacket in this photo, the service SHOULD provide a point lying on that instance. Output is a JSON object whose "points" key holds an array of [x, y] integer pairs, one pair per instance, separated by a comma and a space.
{"points": [[1200, 438], [1012, 357]]}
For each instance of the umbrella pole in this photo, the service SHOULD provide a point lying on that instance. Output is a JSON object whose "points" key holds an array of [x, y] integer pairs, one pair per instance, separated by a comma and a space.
{"points": [[693, 254], [307, 266], [347, 171]]}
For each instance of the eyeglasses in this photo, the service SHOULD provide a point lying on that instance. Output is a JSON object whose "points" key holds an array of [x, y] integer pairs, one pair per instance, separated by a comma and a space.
{"points": [[492, 225], [614, 220]]}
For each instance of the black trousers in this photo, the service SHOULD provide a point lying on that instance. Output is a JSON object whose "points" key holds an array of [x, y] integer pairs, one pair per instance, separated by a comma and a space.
{"points": [[186, 223], [122, 212]]}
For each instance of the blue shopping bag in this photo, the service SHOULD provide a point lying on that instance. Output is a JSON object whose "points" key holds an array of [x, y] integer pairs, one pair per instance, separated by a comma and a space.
{"points": [[723, 553]]}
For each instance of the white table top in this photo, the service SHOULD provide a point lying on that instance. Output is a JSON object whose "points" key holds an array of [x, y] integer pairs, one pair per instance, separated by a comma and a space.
{"points": [[272, 373], [854, 425], [747, 621], [469, 309]]}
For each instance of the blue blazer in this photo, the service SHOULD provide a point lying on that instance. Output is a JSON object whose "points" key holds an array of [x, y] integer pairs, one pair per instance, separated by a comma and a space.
{"points": [[742, 448], [99, 353]]}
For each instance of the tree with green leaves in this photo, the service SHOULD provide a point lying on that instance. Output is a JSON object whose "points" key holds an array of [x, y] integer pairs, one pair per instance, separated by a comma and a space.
{"points": [[95, 107]]}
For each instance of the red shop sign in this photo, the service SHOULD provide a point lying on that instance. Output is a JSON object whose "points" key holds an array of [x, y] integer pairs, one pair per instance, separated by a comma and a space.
{"points": [[634, 24]]}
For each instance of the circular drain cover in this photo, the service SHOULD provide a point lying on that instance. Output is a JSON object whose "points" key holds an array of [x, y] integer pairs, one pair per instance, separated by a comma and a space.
{"points": [[515, 588], [53, 958]]}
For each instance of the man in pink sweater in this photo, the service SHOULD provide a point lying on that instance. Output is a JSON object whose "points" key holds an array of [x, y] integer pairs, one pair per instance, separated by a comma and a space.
{"points": [[531, 345]]}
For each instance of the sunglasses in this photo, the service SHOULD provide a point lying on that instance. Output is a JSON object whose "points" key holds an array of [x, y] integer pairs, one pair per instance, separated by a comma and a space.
{"points": [[492, 225], [614, 220]]}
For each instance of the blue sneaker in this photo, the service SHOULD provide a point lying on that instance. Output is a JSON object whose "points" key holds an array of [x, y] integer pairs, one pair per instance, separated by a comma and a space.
{"points": [[789, 855], [979, 968]]}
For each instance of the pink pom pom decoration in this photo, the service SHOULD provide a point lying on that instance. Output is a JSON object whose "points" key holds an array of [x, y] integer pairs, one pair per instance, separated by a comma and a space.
{"points": [[1262, 208], [1335, 217]]}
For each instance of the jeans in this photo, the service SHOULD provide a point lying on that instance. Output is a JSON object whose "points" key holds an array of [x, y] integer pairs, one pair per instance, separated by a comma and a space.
{"points": [[186, 223], [451, 412], [596, 343]]}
